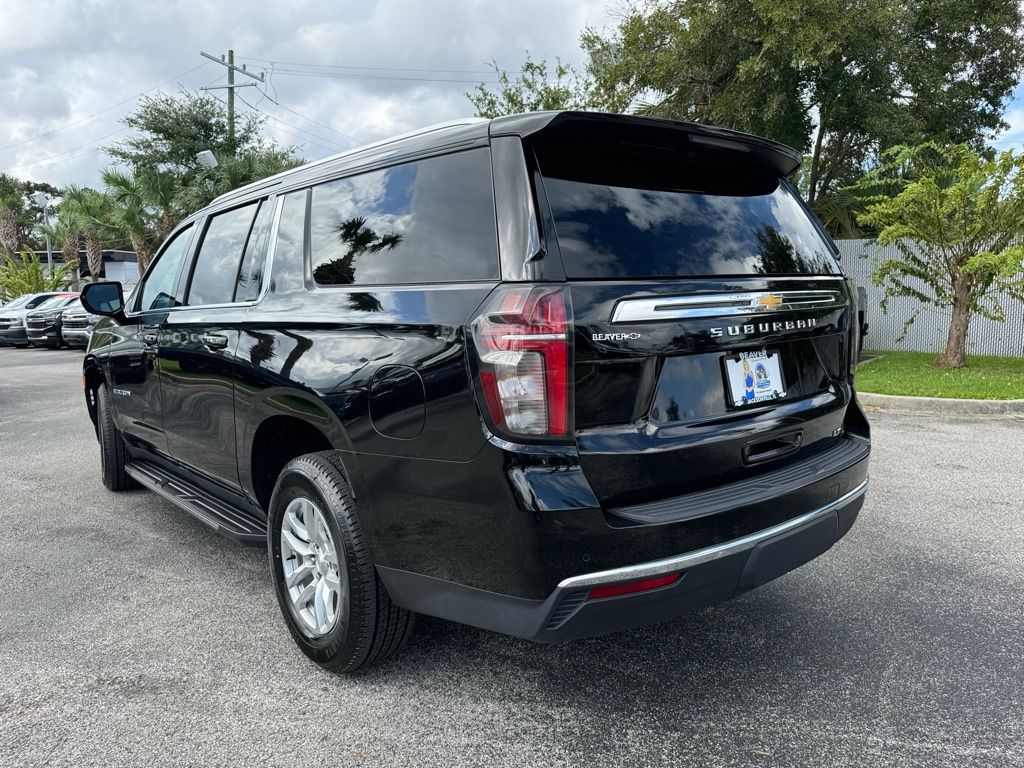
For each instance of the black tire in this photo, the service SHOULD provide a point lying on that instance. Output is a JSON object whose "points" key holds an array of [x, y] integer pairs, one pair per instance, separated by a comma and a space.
{"points": [[370, 628], [113, 456]]}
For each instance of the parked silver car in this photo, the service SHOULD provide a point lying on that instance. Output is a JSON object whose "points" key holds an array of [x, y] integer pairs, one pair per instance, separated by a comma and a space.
{"points": [[76, 327]]}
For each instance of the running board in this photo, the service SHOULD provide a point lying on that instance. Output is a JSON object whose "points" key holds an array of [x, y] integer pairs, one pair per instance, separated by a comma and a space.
{"points": [[224, 518]]}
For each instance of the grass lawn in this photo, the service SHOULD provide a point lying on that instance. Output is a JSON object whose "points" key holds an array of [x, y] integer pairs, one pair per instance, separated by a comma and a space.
{"points": [[914, 373]]}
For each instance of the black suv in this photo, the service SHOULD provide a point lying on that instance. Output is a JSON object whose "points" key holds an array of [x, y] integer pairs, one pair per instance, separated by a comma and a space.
{"points": [[552, 375]]}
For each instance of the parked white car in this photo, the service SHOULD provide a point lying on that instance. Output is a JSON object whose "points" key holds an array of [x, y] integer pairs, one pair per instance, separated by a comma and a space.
{"points": [[12, 317]]}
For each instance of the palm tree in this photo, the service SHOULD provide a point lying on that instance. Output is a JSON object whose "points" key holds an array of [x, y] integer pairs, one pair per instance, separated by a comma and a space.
{"points": [[231, 173], [130, 215], [91, 213], [159, 188], [11, 201], [63, 232]]}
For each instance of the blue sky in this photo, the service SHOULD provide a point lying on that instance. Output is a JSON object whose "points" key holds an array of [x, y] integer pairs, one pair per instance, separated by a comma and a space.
{"points": [[1013, 138]]}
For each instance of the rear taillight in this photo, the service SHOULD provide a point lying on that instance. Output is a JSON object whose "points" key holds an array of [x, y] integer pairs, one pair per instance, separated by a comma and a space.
{"points": [[522, 342]]}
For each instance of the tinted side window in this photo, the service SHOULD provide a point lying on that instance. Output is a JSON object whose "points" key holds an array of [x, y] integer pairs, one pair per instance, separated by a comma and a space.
{"points": [[422, 222], [33, 303], [250, 276], [220, 255], [158, 287]]}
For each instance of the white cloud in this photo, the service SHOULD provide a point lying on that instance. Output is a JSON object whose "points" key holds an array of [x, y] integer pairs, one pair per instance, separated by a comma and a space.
{"points": [[64, 61]]}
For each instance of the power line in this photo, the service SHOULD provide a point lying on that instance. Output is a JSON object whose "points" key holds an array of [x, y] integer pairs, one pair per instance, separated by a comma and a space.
{"points": [[60, 156], [275, 118], [311, 120], [367, 68], [102, 111], [301, 138], [341, 76]]}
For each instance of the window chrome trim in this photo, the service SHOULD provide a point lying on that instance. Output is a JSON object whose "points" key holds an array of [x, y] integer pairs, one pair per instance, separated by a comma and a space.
{"points": [[706, 555], [268, 260], [724, 305]]}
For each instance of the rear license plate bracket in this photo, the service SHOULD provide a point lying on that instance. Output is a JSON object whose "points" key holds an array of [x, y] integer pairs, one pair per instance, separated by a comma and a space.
{"points": [[753, 377]]}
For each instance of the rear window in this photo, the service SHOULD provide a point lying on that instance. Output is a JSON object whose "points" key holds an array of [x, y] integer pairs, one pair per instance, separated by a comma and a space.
{"points": [[624, 211]]}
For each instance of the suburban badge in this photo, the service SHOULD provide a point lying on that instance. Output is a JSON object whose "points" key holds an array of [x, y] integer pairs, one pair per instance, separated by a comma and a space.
{"points": [[755, 328]]}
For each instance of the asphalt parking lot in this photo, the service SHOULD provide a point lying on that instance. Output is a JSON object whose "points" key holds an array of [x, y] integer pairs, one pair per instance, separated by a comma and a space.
{"points": [[131, 634]]}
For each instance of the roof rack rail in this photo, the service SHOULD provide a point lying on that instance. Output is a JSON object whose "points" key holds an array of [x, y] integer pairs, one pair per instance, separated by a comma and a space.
{"points": [[356, 151]]}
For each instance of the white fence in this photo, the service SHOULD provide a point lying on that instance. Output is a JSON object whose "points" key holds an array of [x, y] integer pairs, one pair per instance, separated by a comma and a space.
{"points": [[859, 260]]}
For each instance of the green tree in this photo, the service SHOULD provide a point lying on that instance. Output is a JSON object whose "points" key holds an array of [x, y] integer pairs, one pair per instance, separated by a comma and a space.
{"points": [[955, 217], [171, 130], [230, 173], [140, 209], [12, 201], [165, 179], [33, 215], [63, 233], [840, 80], [90, 212], [532, 89], [25, 273]]}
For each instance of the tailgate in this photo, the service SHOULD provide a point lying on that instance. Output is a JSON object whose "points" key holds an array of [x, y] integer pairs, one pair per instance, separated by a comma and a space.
{"points": [[657, 368]]}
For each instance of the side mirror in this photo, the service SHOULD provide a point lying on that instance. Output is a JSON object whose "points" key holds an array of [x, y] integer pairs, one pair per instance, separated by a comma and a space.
{"points": [[103, 298]]}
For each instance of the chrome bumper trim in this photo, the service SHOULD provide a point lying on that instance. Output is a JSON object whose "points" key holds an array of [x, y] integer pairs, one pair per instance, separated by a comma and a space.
{"points": [[699, 556]]}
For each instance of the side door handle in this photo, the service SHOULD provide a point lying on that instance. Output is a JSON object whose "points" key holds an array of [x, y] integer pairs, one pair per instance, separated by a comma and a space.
{"points": [[214, 340]]}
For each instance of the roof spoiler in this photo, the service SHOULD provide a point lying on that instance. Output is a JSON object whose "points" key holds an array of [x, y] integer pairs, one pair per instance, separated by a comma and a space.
{"points": [[761, 151]]}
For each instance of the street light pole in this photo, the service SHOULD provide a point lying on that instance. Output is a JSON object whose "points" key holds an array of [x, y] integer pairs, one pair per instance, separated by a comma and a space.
{"points": [[49, 245], [43, 199]]}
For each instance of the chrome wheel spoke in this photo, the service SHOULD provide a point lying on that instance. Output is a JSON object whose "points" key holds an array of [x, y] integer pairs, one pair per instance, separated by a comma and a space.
{"points": [[293, 524], [298, 573], [296, 545], [312, 568], [320, 605]]}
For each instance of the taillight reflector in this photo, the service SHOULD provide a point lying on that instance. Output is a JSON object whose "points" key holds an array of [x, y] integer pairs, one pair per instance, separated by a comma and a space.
{"points": [[629, 587]]}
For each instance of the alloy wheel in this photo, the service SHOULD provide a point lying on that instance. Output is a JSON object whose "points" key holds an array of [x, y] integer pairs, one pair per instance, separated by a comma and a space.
{"points": [[314, 574]]}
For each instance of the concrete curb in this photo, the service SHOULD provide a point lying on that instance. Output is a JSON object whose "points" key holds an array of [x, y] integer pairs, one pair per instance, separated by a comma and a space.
{"points": [[942, 406]]}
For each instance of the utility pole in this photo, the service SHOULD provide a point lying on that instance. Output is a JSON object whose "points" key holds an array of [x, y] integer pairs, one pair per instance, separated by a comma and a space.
{"points": [[229, 62], [231, 100]]}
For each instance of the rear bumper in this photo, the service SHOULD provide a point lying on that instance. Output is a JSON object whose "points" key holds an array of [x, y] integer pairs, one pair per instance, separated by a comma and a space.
{"points": [[707, 576]]}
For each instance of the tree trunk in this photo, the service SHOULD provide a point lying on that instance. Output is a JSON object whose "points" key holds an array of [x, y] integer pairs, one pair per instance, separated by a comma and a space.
{"points": [[956, 340], [143, 255], [8, 232], [812, 181], [94, 255], [70, 253]]}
